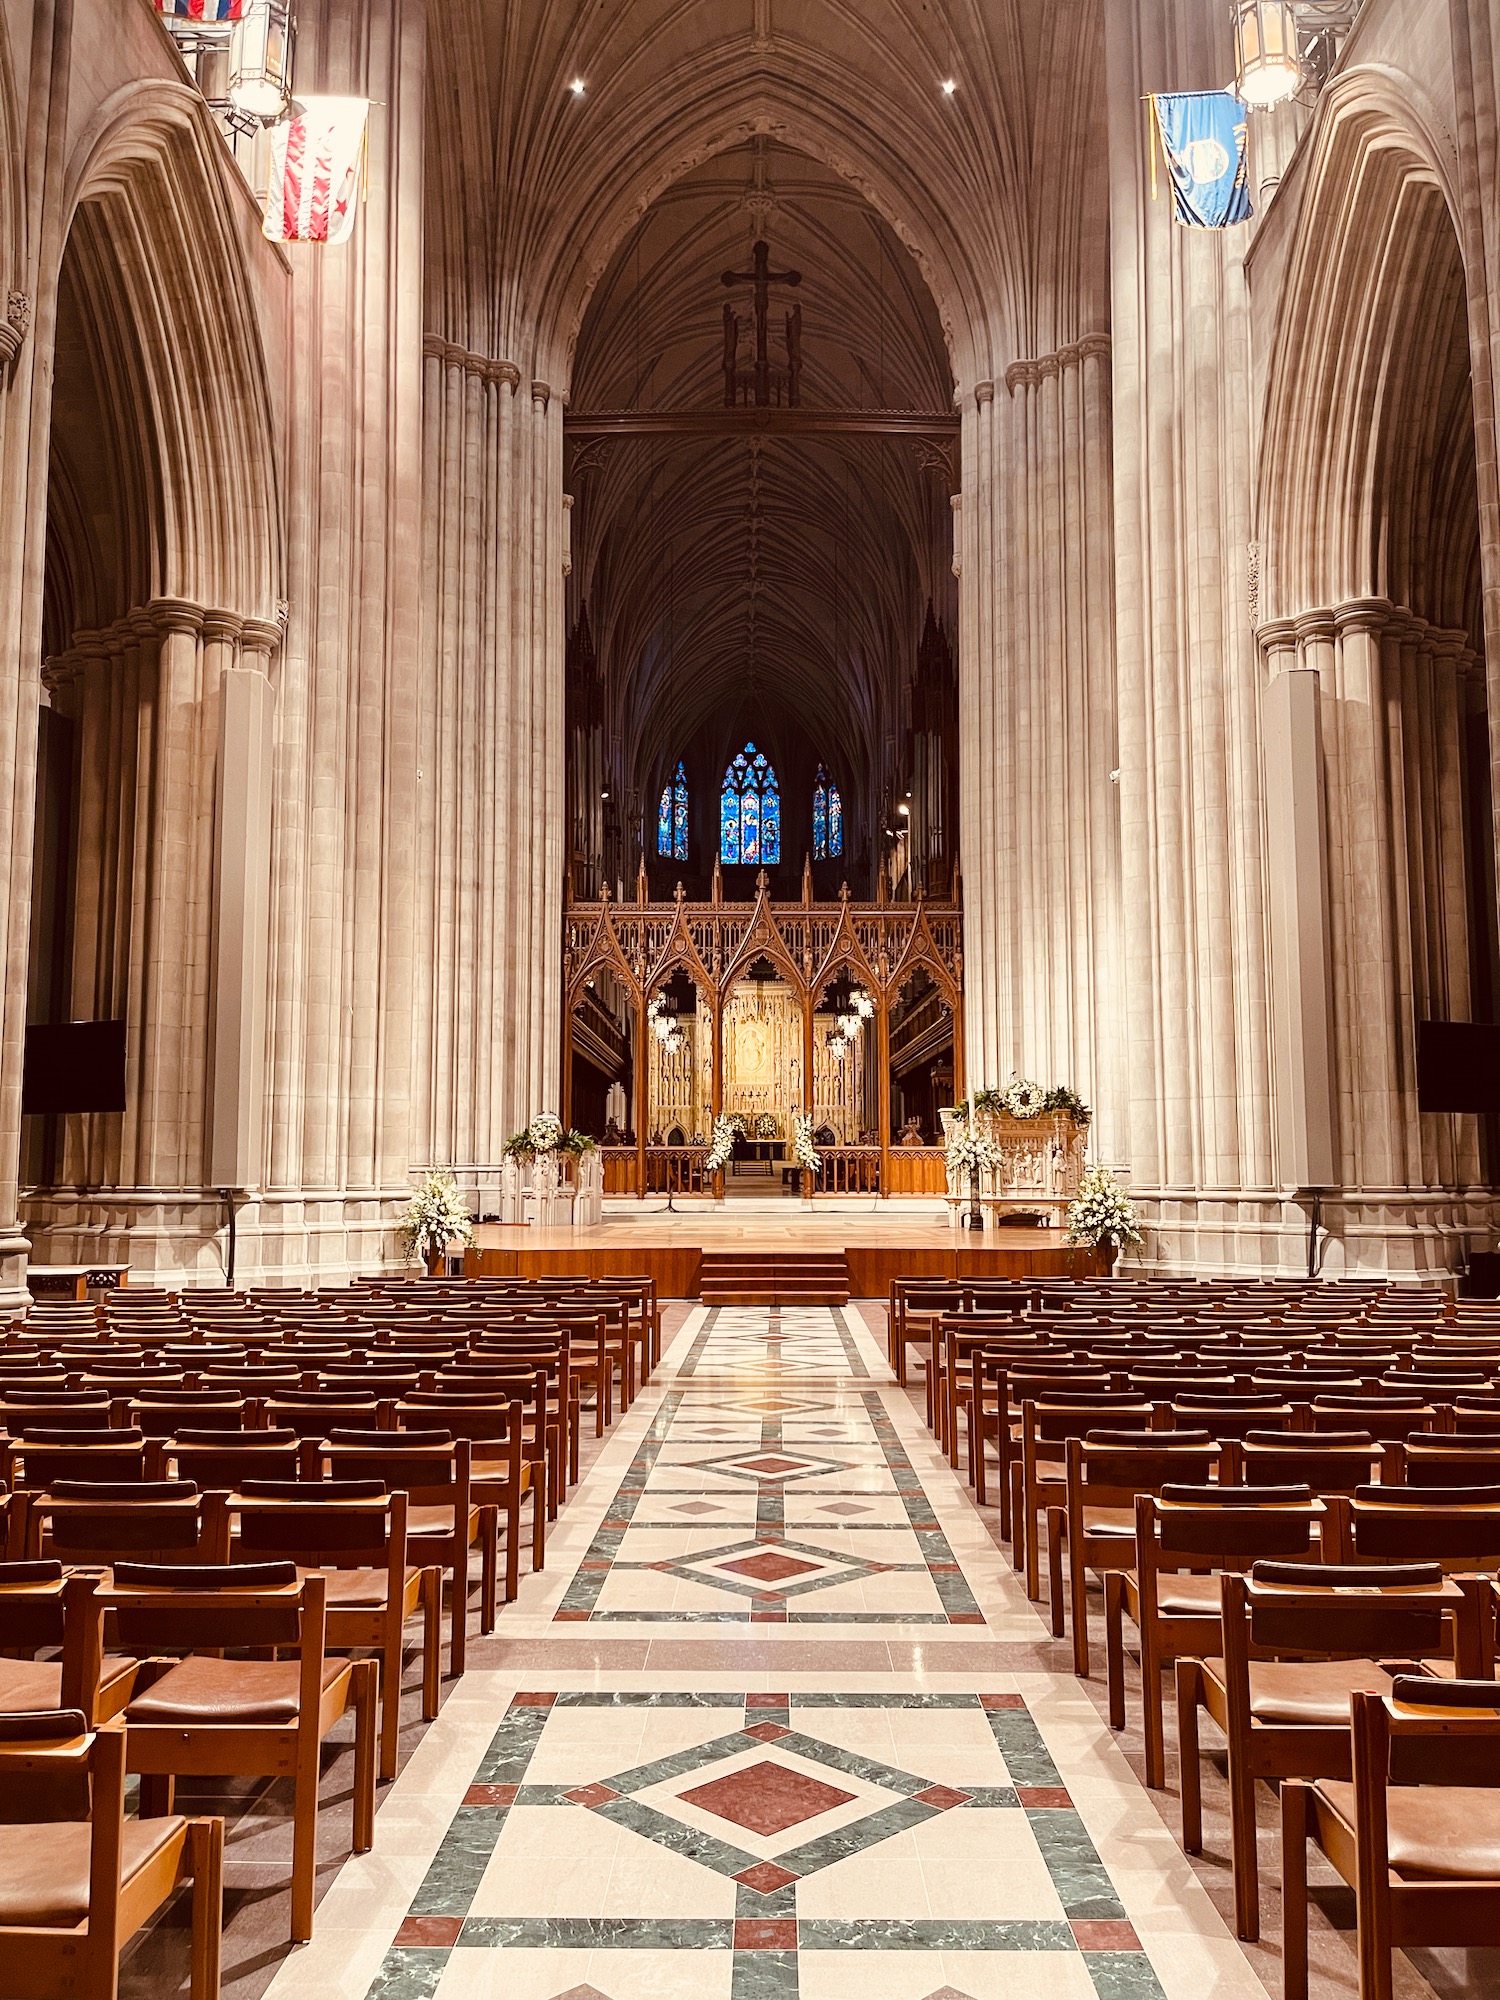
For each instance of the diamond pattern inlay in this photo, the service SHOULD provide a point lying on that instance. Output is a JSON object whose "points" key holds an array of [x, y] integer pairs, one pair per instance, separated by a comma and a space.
{"points": [[766, 1798], [768, 1567]]}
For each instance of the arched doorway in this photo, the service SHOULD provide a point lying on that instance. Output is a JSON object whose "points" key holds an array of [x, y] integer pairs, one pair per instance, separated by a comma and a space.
{"points": [[160, 634]]}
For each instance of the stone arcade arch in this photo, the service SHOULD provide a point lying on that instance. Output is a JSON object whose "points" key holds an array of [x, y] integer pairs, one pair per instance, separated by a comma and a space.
{"points": [[161, 627], [1374, 578]]}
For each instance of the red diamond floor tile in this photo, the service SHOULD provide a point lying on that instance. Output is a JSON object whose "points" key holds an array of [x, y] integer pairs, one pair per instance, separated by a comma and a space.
{"points": [[769, 1567], [766, 1798]]}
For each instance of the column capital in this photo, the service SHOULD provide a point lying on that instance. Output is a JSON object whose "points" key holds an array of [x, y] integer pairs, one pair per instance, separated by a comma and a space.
{"points": [[984, 392], [1364, 614]]}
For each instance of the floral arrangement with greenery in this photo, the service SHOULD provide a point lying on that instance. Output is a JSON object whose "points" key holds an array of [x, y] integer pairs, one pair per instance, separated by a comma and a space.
{"points": [[1021, 1098], [1102, 1212], [545, 1134], [726, 1131], [804, 1152], [435, 1217], [765, 1125]]}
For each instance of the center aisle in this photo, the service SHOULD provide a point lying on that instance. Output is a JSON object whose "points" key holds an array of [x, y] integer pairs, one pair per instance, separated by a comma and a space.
{"points": [[728, 1746]]}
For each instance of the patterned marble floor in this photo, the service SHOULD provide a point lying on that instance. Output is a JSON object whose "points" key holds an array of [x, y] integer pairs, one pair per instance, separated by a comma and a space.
{"points": [[692, 1770]]}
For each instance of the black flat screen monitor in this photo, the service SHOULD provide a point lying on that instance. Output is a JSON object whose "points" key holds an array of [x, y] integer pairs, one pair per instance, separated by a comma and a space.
{"points": [[75, 1066], [1458, 1067]]}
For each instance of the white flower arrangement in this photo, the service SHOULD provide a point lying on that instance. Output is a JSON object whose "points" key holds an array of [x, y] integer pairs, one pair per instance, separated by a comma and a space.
{"points": [[1102, 1212], [726, 1130], [804, 1152], [435, 1217], [970, 1152]]}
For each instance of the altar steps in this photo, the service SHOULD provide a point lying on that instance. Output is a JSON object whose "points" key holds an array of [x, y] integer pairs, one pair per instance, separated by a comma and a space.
{"points": [[774, 1278]]}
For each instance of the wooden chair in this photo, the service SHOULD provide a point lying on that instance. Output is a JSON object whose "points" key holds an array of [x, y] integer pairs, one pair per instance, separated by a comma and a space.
{"points": [[77, 1879], [1037, 1471], [444, 1521], [1094, 1528], [255, 1718], [219, 1461], [1415, 1832], [1322, 1461], [507, 1465], [166, 1522], [355, 1534], [1185, 1538], [42, 1610], [1299, 1640]]}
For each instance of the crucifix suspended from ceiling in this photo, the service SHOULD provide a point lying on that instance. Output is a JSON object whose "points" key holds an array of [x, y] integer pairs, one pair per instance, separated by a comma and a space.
{"points": [[762, 385]]}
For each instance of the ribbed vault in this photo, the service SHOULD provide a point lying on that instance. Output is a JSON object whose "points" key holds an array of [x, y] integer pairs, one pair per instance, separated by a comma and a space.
{"points": [[772, 587]]}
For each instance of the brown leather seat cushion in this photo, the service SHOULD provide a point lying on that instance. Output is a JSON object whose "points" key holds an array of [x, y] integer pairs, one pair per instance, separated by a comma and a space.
{"points": [[226, 1691], [1309, 1692], [429, 1520], [44, 1870], [1109, 1521], [37, 1684], [1435, 1830], [356, 1589], [1188, 1596]]}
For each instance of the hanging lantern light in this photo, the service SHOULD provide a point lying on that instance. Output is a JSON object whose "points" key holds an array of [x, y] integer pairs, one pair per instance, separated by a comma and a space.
{"points": [[1266, 69], [260, 59]]}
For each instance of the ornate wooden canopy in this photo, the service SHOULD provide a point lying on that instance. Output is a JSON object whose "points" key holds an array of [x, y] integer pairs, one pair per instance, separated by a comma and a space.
{"points": [[877, 945]]}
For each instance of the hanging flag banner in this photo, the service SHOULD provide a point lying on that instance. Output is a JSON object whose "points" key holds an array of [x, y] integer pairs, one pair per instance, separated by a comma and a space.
{"points": [[317, 169], [207, 11], [1202, 137]]}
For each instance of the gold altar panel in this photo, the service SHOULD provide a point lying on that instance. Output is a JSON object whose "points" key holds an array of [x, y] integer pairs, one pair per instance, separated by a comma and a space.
{"points": [[763, 1053]]}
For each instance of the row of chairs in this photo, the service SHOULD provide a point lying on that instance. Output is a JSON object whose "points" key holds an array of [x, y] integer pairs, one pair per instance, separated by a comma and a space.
{"points": [[1304, 1532], [251, 1506]]}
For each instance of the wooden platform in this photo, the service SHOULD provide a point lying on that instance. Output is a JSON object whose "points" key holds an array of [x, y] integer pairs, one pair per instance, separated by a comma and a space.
{"points": [[880, 1241]]}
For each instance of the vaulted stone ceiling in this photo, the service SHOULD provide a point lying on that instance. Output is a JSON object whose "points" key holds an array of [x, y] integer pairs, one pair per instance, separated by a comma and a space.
{"points": [[767, 587]]}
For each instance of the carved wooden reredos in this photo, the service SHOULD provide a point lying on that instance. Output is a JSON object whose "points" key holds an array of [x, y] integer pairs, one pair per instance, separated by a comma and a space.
{"points": [[876, 946]]}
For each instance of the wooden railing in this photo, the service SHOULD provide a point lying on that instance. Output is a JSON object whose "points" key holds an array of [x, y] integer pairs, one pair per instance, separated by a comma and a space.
{"points": [[848, 1170]]}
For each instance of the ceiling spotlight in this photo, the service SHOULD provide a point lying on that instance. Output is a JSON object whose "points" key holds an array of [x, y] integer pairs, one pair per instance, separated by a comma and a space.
{"points": [[950, 84], [576, 86], [904, 809]]}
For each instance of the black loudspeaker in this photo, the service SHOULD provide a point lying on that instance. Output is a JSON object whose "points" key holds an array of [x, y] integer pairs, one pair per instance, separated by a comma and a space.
{"points": [[77, 1066], [1458, 1067], [1484, 1275]]}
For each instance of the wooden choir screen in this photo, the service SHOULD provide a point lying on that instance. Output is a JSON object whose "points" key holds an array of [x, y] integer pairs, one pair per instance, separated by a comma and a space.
{"points": [[879, 948]]}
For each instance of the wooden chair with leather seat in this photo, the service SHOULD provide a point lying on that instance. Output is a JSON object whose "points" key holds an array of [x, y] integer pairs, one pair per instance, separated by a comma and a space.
{"points": [[249, 1718], [1038, 1466], [77, 1879], [1415, 1831], [1094, 1528], [443, 1521], [41, 1610], [219, 1461], [88, 1521], [1185, 1538], [1323, 1461], [354, 1533], [1300, 1639], [507, 1466]]}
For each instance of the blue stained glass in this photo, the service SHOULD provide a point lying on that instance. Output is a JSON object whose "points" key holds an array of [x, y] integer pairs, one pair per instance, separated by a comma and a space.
{"points": [[664, 822], [679, 825], [820, 822], [750, 827], [770, 827], [750, 810], [729, 825], [835, 823]]}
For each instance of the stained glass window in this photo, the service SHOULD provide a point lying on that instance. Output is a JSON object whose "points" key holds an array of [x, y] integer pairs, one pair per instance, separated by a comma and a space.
{"points": [[750, 810], [672, 817], [828, 819]]}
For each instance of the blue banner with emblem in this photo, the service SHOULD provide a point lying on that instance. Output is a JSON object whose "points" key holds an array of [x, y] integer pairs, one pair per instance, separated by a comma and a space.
{"points": [[1202, 135]]}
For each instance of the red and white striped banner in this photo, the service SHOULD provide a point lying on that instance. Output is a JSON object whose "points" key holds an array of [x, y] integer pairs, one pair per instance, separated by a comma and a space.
{"points": [[317, 161]]}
